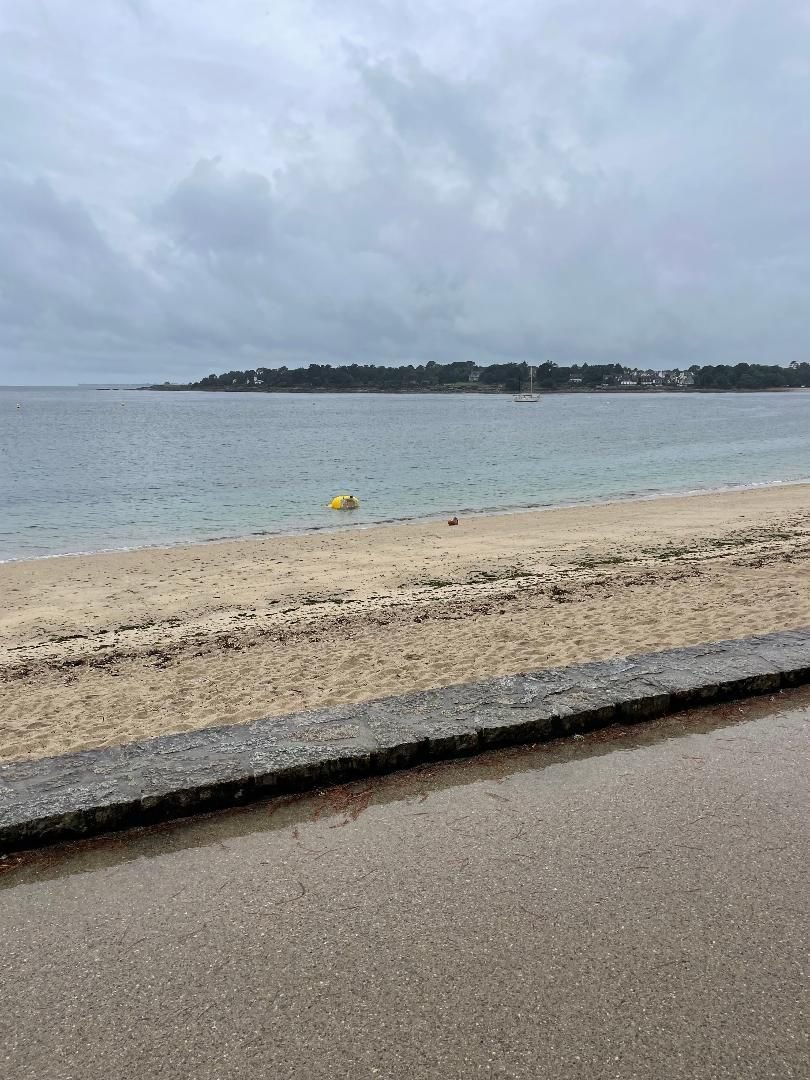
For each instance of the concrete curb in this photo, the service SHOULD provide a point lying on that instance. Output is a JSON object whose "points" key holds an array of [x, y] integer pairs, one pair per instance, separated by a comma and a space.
{"points": [[93, 791]]}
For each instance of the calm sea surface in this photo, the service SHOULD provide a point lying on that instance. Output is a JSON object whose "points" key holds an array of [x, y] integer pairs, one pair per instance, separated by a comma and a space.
{"points": [[80, 471]]}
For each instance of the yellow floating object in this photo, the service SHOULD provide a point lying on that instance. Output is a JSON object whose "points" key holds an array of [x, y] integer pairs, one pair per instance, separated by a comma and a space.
{"points": [[344, 502]]}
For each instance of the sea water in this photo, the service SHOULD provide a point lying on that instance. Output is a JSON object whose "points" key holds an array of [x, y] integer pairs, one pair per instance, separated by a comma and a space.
{"points": [[90, 470]]}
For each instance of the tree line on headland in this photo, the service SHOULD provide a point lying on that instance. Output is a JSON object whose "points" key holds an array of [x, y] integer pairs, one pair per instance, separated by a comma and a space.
{"points": [[499, 378]]}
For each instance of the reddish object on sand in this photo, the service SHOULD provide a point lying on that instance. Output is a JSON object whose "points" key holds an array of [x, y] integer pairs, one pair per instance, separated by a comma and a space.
{"points": [[453, 521]]}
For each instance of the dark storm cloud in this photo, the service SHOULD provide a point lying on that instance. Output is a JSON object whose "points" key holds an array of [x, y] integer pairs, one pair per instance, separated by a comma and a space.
{"points": [[183, 186]]}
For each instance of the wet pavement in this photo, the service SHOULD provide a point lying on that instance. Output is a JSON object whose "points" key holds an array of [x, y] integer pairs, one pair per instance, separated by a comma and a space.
{"points": [[629, 904]]}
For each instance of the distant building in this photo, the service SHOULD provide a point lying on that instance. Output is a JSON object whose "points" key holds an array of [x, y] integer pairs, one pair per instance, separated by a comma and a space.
{"points": [[678, 378], [475, 374]]}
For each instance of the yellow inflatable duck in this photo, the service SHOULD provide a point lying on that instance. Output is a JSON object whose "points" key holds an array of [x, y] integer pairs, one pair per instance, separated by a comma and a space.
{"points": [[344, 502]]}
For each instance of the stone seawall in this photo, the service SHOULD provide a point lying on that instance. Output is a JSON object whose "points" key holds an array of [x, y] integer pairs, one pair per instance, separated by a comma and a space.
{"points": [[54, 799]]}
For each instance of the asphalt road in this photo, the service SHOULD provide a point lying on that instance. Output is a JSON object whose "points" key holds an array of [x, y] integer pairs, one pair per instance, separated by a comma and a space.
{"points": [[620, 906]]}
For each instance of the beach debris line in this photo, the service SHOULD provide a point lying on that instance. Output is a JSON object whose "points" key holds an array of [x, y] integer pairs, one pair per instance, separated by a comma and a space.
{"points": [[344, 502]]}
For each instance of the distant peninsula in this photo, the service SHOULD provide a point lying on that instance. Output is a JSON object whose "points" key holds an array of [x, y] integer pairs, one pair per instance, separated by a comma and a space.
{"points": [[467, 377]]}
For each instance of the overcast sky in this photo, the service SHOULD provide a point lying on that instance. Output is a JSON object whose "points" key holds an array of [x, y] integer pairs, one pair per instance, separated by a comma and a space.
{"points": [[192, 185]]}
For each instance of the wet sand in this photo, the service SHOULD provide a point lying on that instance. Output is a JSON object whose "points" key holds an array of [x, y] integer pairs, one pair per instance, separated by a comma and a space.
{"points": [[109, 648]]}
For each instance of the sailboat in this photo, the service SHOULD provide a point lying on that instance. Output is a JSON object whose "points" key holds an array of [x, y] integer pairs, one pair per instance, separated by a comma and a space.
{"points": [[531, 396]]}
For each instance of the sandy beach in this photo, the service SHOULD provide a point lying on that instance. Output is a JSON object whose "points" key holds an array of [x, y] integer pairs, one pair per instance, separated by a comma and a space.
{"points": [[109, 648]]}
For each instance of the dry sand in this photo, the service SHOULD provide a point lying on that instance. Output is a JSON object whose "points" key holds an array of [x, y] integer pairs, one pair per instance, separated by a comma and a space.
{"points": [[108, 648]]}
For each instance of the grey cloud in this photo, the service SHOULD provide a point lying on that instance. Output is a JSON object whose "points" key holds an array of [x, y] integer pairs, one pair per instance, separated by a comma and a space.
{"points": [[58, 274], [426, 108], [211, 211], [182, 185]]}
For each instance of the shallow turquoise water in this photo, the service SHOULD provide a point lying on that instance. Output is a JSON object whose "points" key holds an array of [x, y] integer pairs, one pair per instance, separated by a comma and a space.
{"points": [[79, 471]]}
